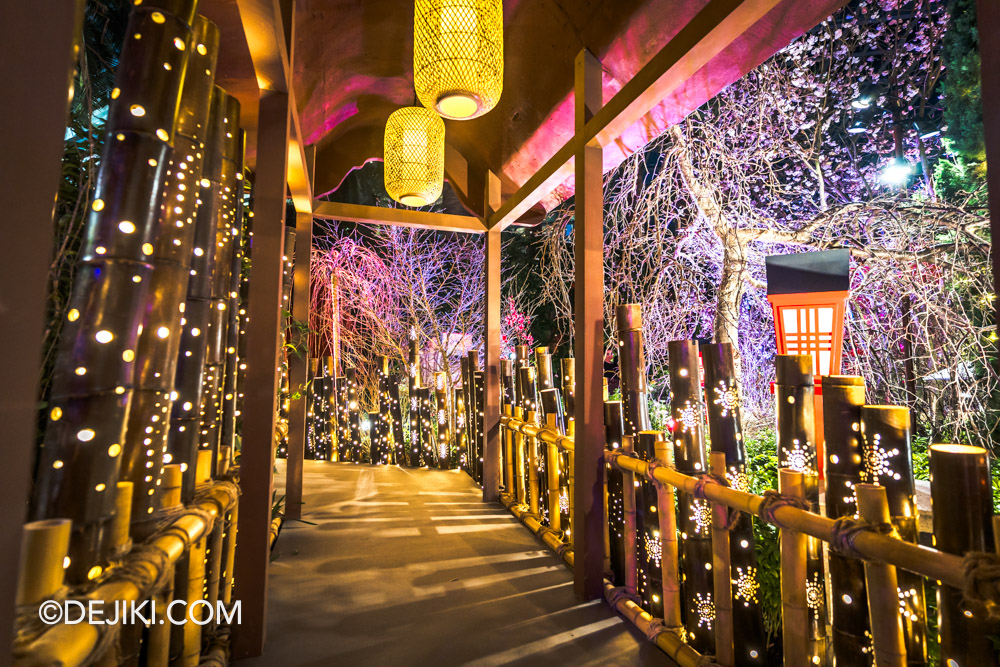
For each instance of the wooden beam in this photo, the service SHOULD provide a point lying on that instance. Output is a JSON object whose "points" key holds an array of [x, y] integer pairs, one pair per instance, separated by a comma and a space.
{"points": [[33, 144], [298, 366], [399, 217], [263, 25], [260, 401], [588, 323], [714, 28], [490, 446]]}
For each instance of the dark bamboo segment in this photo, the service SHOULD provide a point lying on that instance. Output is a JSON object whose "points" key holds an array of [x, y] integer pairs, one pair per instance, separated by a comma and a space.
{"points": [[543, 362], [882, 586], [522, 358], [343, 420], [629, 532], [726, 434], [569, 388], [467, 421], [795, 400], [961, 498], [382, 453], [632, 365], [649, 555], [843, 396], [444, 428], [526, 382], [354, 414], [887, 462], [475, 409], [614, 428], [479, 384], [796, 612], [427, 425], [506, 408], [79, 462], [670, 570], [461, 430], [695, 522], [413, 367]]}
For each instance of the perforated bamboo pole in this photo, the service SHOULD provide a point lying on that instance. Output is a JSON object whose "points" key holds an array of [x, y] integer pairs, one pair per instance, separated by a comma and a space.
{"points": [[227, 573], [521, 456], [552, 474], [195, 591], [883, 590], [794, 610], [628, 532], [670, 567], [531, 443], [721, 572]]}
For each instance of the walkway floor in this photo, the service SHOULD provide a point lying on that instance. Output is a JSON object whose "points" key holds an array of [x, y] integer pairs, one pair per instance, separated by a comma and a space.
{"points": [[410, 567]]}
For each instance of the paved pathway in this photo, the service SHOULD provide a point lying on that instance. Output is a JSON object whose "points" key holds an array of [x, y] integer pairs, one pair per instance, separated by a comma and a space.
{"points": [[410, 567]]}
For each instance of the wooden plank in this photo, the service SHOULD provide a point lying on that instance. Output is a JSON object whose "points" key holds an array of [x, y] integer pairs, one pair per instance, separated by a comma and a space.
{"points": [[988, 14], [36, 80], [588, 455], [491, 320], [713, 29], [260, 401], [400, 217]]}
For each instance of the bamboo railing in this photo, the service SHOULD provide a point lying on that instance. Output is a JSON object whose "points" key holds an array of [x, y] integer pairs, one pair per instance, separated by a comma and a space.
{"points": [[876, 538]]}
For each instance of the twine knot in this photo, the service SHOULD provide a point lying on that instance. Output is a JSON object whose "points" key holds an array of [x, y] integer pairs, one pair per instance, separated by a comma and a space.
{"points": [[706, 478], [846, 529], [773, 500], [982, 580]]}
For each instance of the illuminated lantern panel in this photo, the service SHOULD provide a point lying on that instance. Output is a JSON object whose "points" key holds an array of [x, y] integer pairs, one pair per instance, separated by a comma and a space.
{"points": [[414, 156], [807, 292]]}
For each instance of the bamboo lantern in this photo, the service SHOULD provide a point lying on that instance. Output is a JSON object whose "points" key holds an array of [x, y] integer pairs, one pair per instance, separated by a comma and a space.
{"points": [[427, 414], [461, 433], [794, 396], [725, 429], [843, 396], [43, 552], [414, 156], [458, 56], [413, 368], [444, 428], [188, 408], [396, 412], [543, 362], [885, 431], [158, 345], [479, 384], [695, 515], [614, 431], [632, 366], [649, 554], [95, 360], [961, 498]]}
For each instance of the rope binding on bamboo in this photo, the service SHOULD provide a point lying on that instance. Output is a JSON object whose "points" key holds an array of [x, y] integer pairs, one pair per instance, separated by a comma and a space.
{"points": [[846, 529], [772, 500], [619, 593]]}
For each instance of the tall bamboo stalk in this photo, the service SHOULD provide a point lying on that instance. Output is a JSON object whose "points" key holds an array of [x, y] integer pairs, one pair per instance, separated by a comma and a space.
{"points": [[569, 389], [475, 408], [843, 396], [467, 421], [885, 431], [354, 414], [614, 431], [632, 366], [795, 400], [507, 402], [396, 412], [383, 430], [444, 428], [882, 586], [479, 384], [722, 572], [695, 523], [413, 368], [670, 566], [726, 433], [520, 461], [795, 609], [629, 532], [526, 383], [963, 507], [543, 362], [79, 462]]}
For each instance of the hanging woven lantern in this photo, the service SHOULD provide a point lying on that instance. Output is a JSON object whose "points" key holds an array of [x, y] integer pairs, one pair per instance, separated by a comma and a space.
{"points": [[414, 156], [458, 56]]}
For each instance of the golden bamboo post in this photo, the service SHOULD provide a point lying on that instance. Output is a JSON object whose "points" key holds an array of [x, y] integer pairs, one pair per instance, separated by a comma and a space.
{"points": [[43, 548], [158, 640], [843, 396], [195, 590], [795, 430], [725, 426], [230, 555], [565, 460], [507, 399], [552, 478], [213, 577], [508, 444], [670, 567], [722, 572], [120, 526], [795, 610], [550, 405], [467, 418], [882, 586], [95, 359], [532, 445], [628, 524], [521, 458], [885, 431], [648, 537], [963, 521], [614, 431]]}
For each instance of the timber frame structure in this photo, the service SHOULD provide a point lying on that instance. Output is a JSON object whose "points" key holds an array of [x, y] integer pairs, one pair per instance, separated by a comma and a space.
{"points": [[257, 61]]}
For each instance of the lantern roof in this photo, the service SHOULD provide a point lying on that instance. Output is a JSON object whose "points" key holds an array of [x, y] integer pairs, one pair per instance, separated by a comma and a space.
{"points": [[807, 272]]}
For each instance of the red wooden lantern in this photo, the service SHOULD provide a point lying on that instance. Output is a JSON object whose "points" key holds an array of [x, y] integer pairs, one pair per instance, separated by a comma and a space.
{"points": [[807, 292]]}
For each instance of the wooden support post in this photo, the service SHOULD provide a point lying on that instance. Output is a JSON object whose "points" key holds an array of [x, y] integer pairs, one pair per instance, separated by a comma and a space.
{"points": [[794, 610], [988, 14], [257, 459], [298, 369], [721, 572], [32, 167], [588, 520], [880, 579], [490, 445]]}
